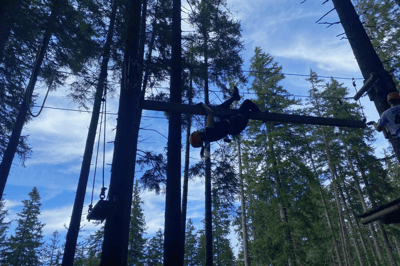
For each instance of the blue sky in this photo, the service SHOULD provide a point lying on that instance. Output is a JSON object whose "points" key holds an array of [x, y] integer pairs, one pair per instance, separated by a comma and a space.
{"points": [[285, 29]]}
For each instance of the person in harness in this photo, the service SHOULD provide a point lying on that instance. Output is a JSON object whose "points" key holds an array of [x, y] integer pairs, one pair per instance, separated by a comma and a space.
{"points": [[390, 117], [226, 125]]}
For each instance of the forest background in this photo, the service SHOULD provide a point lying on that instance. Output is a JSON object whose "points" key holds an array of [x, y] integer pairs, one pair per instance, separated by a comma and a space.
{"points": [[285, 30]]}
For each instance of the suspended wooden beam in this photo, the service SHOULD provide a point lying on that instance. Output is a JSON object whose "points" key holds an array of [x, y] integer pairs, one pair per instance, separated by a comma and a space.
{"points": [[271, 117], [366, 87], [388, 213]]}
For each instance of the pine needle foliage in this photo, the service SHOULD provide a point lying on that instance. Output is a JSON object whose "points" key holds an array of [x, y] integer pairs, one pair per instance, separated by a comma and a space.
{"points": [[24, 245]]}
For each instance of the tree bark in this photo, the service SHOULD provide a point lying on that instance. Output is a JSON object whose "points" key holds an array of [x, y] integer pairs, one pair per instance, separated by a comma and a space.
{"points": [[9, 152], [367, 60], [208, 200], [116, 229], [172, 240], [74, 226], [186, 170], [243, 207]]}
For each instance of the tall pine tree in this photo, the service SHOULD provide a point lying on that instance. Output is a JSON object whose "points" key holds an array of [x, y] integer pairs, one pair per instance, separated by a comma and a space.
{"points": [[137, 229], [24, 245]]}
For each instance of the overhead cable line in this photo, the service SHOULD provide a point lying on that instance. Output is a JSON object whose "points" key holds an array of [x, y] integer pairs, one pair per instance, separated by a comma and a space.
{"points": [[87, 111]]}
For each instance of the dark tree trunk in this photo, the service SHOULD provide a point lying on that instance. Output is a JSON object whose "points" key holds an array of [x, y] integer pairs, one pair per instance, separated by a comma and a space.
{"points": [[142, 40], [367, 60], [9, 153], [186, 170], [73, 229], [207, 182], [243, 208], [116, 230], [172, 240]]}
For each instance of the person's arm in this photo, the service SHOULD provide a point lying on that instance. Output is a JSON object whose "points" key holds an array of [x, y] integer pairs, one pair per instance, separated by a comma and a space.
{"points": [[378, 128]]}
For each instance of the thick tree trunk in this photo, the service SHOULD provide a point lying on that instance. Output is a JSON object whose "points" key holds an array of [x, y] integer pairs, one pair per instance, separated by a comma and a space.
{"points": [[208, 200], [116, 229], [9, 152], [172, 241], [243, 207], [74, 226], [367, 60]]}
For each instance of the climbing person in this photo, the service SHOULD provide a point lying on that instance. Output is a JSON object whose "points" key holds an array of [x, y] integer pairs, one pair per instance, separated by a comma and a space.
{"points": [[226, 125], [390, 117]]}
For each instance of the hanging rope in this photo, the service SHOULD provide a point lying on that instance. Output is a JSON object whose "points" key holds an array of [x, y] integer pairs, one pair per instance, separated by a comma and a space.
{"points": [[104, 99], [97, 156], [28, 99], [341, 103]]}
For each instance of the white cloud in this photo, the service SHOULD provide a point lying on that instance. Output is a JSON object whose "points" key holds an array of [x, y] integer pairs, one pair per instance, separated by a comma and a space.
{"points": [[55, 219]]}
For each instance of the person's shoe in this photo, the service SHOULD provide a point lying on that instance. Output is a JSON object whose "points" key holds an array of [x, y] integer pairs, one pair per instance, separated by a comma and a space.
{"points": [[226, 139], [206, 108], [235, 95]]}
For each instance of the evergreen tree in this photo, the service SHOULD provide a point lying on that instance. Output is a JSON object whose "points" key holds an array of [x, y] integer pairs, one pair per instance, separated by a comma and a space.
{"points": [[137, 230], [223, 254], [4, 226], [155, 250], [93, 247], [268, 155], [191, 245], [52, 251], [24, 245]]}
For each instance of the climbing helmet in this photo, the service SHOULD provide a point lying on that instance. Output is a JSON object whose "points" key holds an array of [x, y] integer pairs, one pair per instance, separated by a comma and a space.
{"points": [[393, 96], [196, 140]]}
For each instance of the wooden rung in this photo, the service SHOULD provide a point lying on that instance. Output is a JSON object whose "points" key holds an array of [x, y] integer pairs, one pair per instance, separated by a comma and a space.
{"points": [[272, 117]]}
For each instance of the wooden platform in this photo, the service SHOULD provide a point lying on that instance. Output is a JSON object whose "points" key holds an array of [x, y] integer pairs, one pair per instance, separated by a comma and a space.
{"points": [[100, 211], [272, 117]]}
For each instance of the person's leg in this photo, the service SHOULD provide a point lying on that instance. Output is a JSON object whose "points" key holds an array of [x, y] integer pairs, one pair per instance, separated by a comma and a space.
{"points": [[248, 106], [235, 97], [210, 115]]}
